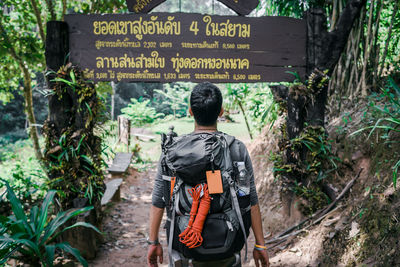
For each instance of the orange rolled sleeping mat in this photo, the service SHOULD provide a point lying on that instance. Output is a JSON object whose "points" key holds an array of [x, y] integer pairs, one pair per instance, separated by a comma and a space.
{"points": [[191, 236]]}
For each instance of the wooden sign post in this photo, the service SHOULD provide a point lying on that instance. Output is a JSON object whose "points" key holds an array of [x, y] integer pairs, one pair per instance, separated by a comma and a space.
{"points": [[142, 6], [124, 131], [242, 7], [168, 47]]}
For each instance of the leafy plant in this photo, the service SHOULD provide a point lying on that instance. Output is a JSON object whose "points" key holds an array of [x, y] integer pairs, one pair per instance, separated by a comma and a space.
{"points": [[30, 237], [262, 108], [27, 185], [140, 113], [385, 118], [178, 96], [73, 153], [235, 96]]}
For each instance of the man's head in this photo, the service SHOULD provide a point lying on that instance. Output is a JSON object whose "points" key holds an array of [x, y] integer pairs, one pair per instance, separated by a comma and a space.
{"points": [[206, 103]]}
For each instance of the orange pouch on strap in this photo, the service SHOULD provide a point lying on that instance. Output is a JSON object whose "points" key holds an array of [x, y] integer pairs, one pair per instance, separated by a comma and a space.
{"points": [[214, 182]]}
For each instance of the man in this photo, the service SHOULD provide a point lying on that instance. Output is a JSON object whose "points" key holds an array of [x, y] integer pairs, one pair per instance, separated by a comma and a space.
{"points": [[206, 107]]}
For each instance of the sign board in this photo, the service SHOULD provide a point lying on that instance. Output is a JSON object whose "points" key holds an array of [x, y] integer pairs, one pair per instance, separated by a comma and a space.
{"points": [[165, 47], [242, 7], [142, 6]]}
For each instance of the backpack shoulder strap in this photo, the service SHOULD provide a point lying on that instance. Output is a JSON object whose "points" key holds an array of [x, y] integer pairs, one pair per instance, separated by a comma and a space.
{"points": [[227, 174]]}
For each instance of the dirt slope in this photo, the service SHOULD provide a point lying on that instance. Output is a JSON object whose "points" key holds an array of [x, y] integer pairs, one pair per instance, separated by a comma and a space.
{"points": [[364, 228]]}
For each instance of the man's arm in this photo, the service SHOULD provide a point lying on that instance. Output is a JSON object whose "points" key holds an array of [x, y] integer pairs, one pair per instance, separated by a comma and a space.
{"points": [[155, 251], [259, 254], [256, 226], [156, 215]]}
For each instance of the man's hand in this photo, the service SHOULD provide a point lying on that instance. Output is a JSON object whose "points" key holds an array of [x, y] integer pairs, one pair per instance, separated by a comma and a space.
{"points": [[261, 256], [154, 251]]}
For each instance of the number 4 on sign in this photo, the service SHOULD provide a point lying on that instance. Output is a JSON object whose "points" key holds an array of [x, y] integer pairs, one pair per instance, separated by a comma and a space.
{"points": [[193, 27]]}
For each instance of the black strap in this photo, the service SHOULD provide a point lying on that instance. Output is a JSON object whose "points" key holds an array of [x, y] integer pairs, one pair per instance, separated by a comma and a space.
{"points": [[235, 202]]}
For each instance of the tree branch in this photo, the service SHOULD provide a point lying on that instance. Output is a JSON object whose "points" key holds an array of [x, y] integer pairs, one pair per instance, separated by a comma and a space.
{"points": [[33, 133], [50, 7], [39, 20], [10, 47], [337, 39], [64, 9]]}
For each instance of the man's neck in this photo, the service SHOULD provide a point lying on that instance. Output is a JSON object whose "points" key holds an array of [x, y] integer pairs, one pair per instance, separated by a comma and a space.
{"points": [[201, 128]]}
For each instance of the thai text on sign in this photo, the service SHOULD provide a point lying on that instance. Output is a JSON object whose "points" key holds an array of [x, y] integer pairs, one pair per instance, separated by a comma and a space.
{"points": [[165, 47]]}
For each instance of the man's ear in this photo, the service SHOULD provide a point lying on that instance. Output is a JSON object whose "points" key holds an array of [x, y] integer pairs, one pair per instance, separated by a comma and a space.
{"points": [[190, 111], [221, 112]]}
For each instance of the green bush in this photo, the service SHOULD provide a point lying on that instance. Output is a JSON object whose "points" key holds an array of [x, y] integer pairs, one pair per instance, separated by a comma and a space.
{"points": [[263, 110], [30, 237], [383, 117], [20, 168], [176, 96], [140, 113]]}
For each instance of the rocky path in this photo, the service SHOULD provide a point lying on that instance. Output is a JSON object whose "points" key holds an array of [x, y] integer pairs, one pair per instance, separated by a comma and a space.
{"points": [[126, 225]]}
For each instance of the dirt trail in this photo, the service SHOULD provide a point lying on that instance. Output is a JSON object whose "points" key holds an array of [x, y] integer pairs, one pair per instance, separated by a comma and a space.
{"points": [[126, 225]]}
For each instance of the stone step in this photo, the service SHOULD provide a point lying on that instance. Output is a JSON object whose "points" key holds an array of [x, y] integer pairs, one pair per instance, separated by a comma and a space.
{"points": [[120, 163], [113, 192]]}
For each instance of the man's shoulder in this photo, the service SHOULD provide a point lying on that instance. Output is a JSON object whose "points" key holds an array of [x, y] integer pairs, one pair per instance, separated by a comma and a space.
{"points": [[238, 148]]}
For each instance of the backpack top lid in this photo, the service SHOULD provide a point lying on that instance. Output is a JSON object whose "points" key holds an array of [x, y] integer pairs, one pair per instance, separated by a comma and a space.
{"points": [[189, 156]]}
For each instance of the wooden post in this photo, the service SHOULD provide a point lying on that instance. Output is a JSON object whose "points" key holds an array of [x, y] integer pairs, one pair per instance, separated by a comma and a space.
{"points": [[124, 131], [61, 118], [56, 52], [57, 44]]}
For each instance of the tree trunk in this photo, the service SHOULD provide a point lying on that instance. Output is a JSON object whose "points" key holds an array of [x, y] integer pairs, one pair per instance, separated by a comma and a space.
{"points": [[306, 104], [245, 119], [50, 8], [33, 133], [39, 20]]}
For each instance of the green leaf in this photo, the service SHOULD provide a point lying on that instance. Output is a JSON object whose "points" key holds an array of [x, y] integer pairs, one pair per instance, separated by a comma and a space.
{"points": [[31, 245], [87, 159], [33, 216], [72, 74], [50, 249], [83, 224], [73, 251], [60, 219], [17, 209], [44, 212]]}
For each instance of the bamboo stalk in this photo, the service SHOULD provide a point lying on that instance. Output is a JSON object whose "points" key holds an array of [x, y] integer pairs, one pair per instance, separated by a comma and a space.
{"points": [[362, 86], [376, 48], [396, 7]]}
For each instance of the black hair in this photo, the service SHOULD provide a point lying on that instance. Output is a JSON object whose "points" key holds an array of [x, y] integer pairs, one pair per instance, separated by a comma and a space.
{"points": [[206, 103]]}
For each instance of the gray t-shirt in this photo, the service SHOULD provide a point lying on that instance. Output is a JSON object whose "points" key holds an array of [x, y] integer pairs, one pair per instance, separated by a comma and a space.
{"points": [[238, 153]]}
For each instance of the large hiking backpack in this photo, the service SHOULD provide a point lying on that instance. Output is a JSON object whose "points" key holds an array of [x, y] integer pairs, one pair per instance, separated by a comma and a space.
{"points": [[185, 160]]}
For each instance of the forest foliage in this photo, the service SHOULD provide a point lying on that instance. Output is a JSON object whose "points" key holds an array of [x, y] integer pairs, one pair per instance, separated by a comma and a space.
{"points": [[367, 74]]}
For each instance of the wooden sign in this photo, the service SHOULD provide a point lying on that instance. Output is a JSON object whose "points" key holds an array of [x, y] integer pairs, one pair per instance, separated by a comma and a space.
{"points": [[242, 7], [165, 47], [142, 6]]}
